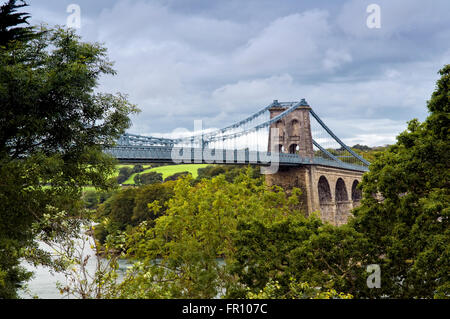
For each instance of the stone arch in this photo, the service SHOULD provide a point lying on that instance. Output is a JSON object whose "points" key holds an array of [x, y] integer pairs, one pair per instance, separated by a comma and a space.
{"points": [[280, 126], [325, 199], [294, 128], [324, 190], [341, 191], [342, 202], [356, 193], [293, 148]]}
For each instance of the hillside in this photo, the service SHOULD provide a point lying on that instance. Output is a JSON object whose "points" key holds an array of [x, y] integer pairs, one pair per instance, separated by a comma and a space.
{"points": [[169, 170]]}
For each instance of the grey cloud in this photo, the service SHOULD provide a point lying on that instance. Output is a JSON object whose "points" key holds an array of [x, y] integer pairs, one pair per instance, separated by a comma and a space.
{"points": [[221, 60]]}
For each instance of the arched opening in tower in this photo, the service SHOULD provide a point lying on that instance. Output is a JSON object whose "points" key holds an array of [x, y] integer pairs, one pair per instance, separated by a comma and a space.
{"points": [[356, 194], [325, 200], [294, 128], [293, 148], [280, 126], [342, 202]]}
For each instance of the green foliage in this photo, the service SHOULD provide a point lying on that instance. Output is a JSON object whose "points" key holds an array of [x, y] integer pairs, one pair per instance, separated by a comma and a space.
{"points": [[361, 147], [91, 199], [334, 258], [178, 255], [137, 168], [409, 228], [303, 290], [263, 251], [48, 99], [166, 170], [231, 172], [11, 22], [124, 173], [369, 153], [148, 178], [176, 176], [11, 274], [304, 250], [128, 207], [148, 198], [211, 171], [52, 129], [118, 207]]}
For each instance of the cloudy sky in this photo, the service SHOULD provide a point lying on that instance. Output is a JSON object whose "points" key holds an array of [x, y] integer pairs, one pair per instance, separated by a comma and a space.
{"points": [[219, 61]]}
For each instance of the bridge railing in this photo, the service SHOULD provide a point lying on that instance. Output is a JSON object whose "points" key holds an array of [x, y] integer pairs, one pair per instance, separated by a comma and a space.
{"points": [[178, 155]]}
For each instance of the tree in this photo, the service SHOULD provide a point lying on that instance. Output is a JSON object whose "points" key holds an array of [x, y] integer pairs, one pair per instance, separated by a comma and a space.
{"points": [[124, 173], [296, 290], [361, 147], [91, 199], [49, 101], [10, 21], [298, 251], [129, 207], [137, 168], [231, 172], [148, 178], [119, 208], [53, 127], [197, 228], [151, 202], [210, 171], [176, 176], [409, 228]]}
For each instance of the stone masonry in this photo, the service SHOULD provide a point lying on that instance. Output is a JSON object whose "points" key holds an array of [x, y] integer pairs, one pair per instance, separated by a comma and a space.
{"points": [[328, 190]]}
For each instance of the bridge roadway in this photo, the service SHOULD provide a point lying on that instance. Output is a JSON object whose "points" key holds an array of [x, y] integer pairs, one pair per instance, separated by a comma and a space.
{"points": [[188, 155]]}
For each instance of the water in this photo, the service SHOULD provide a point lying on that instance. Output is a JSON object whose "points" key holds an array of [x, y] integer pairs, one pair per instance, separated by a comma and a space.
{"points": [[43, 283]]}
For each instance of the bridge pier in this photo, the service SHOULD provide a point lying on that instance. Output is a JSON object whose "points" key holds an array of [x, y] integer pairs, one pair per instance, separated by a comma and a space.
{"points": [[330, 191]]}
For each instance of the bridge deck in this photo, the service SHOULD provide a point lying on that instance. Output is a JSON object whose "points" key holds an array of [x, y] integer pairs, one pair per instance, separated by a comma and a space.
{"points": [[177, 155]]}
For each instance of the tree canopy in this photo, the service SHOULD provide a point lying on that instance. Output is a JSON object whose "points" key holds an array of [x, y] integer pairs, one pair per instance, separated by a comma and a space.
{"points": [[409, 229], [53, 127], [198, 226], [12, 23], [402, 225]]}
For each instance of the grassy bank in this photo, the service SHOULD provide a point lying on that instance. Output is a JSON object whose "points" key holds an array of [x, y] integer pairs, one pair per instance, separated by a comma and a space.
{"points": [[169, 170]]}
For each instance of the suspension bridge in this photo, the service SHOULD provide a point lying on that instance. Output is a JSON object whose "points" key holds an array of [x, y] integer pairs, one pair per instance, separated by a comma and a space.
{"points": [[277, 134], [294, 147]]}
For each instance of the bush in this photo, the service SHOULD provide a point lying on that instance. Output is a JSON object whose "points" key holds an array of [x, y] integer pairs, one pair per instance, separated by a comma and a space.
{"points": [[90, 199], [176, 176], [137, 169], [124, 173], [148, 178], [130, 206], [150, 202], [231, 172]]}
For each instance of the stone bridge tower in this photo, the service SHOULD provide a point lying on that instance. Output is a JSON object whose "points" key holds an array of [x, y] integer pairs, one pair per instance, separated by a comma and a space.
{"points": [[294, 130], [328, 190]]}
